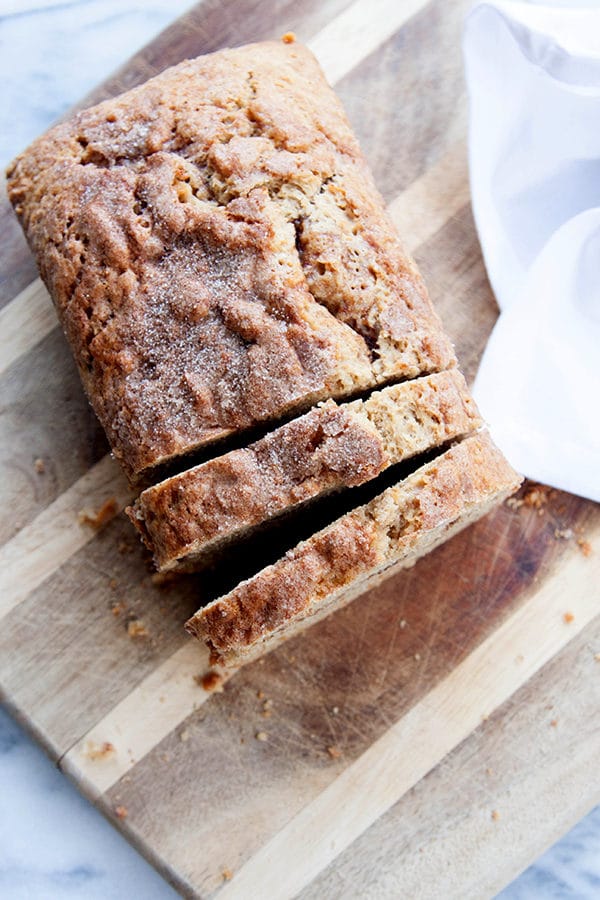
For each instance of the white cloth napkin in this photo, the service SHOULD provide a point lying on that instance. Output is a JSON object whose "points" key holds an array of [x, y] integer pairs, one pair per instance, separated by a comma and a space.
{"points": [[533, 77]]}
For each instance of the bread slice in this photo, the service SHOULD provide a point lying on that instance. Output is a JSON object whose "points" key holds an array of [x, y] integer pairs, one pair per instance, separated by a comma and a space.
{"points": [[218, 253], [187, 519], [356, 552]]}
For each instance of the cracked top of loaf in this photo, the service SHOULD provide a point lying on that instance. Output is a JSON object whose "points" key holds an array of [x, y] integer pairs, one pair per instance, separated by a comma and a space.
{"points": [[218, 253]]}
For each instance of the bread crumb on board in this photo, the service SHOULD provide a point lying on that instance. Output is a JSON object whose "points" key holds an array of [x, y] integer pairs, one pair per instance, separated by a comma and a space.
{"points": [[334, 752], [568, 617], [210, 681], [495, 815], [98, 518], [289, 37], [227, 874], [261, 736], [597, 657], [39, 465], [553, 723], [137, 630], [535, 496], [97, 752], [584, 546], [121, 812]]}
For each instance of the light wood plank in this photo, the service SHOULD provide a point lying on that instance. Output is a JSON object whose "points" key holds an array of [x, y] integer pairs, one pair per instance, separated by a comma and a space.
{"points": [[158, 705], [24, 322], [56, 534], [431, 729], [358, 31]]}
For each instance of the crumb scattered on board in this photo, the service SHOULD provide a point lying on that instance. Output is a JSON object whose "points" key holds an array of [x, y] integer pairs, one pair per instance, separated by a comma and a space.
{"points": [[39, 465], [495, 815], [534, 497], [553, 722], [334, 752], [137, 630], [288, 38], [184, 735], [121, 812], [98, 518], [261, 736], [568, 617], [96, 752], [210, 681], [584, 546], [227, 874]]}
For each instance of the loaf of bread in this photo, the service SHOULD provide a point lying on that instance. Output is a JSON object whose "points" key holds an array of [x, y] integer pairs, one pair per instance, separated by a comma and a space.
{"points": [[221, 262], [356, 552], [189, 518], [218, 253]]}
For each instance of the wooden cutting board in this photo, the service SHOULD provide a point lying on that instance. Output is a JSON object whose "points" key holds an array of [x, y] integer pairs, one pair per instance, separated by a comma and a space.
{"points": [[427, 741]]}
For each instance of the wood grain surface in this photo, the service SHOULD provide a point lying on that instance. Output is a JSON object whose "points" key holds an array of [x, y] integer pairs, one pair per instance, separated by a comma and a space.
{"points": [[428, 740]]}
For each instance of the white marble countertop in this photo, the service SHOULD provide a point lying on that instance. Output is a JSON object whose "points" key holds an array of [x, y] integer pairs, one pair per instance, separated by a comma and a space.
{"points": [[53, 843]]}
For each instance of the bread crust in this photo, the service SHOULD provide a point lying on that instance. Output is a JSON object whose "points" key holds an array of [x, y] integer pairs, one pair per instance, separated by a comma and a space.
{"points": [[218, 253]]}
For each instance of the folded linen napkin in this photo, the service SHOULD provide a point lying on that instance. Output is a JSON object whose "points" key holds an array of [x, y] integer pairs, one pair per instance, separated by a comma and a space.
{"points": [[533, 77]]}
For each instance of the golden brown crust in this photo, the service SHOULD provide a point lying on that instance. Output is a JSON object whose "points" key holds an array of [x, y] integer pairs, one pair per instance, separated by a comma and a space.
{"points": [[218, 253], [390, 528], [188, 516]]}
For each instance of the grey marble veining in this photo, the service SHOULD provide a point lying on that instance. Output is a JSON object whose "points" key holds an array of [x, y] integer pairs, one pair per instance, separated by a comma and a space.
{"points": [[53, 844]]}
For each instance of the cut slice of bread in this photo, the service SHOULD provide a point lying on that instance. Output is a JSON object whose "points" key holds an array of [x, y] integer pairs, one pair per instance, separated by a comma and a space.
{"points": [[356, 552], [185, 520]]}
